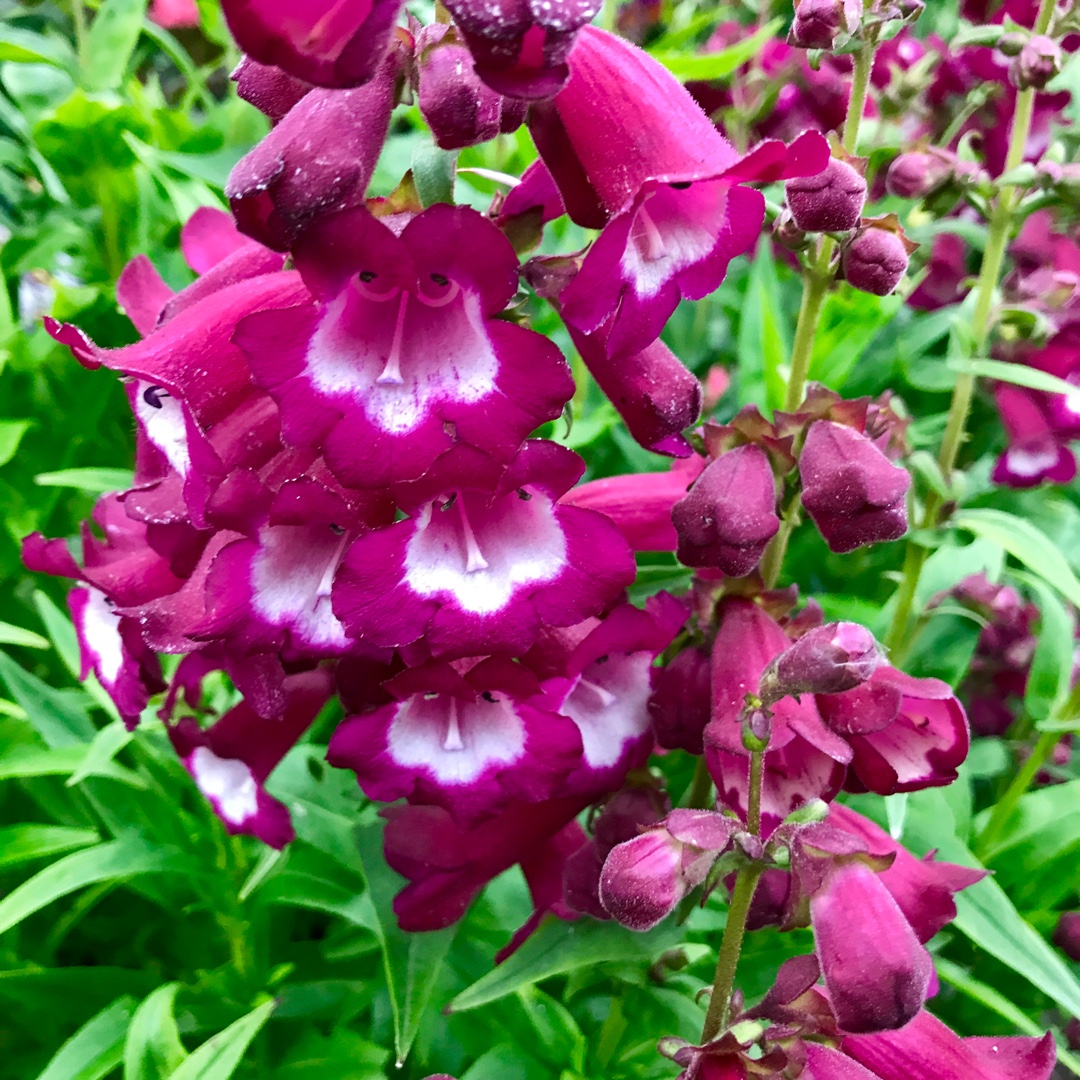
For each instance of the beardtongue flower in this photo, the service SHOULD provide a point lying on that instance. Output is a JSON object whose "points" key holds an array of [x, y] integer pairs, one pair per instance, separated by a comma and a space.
{"points": [[488, 558], [928, 1050], [317, 160], [401, 357], [324, 42], [456, 105], [272, 91], [469, 737], [876, 971], [520, 47], [729, 516], [831, 201], [679, 706], [851, 490], [231, 760], [644, 878], [826, 660], [1034, 454], [632, 153]]}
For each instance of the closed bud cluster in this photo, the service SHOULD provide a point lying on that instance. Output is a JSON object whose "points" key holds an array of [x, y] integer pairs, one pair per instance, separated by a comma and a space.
{"points": [[827, 660], [821, 24], [831, 201], [1036, 64], [919, 173]]}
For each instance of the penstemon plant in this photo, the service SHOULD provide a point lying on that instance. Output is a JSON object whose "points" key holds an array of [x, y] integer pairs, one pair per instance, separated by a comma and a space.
{"points": [[356, 517]]}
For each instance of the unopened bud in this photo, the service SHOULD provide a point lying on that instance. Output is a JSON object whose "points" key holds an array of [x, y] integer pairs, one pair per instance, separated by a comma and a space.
{"points": [[917, 174], [820, 24], [876, 258], [832, 201], [1037, 63], [828, 660], [1012, 44], [787, 234], [1067, 935]]}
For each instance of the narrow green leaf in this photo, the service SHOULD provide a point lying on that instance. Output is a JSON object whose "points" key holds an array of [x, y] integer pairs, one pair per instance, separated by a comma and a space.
{"points": [[686, 65], [25, 843], [11, 433], [558, 947], [94, 481], [153, 1050], [61, 631], [433, 172], [764, 338], [1025, 543], [1017, 374], [110, 42], [107, 743], [16, 635], [55, 715], [20, 762], [220, 1056], [19, 46], [96, 1048], [1052, 665], [118, 859], [412, 961]]}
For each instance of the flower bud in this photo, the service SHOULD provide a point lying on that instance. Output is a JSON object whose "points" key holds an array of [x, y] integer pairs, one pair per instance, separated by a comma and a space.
{"points": [[729, 516], [917, 174], [876, 972], [875, 259], [680, 703], [1067, 935], [1038, 62], [831, 201], [851, 490], [819, 24], [828, 660], [787, 234]]}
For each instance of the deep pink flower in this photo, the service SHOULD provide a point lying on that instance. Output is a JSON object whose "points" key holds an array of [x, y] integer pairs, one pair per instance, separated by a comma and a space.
{"points": [[335, 43], [272, 91], [488, 558], [1067, 934], [729, 516], [826, 660], [231, 760], [946, 272], [402, 357], [520, 47], [681, 700], [174, 14], [1034, 453]]}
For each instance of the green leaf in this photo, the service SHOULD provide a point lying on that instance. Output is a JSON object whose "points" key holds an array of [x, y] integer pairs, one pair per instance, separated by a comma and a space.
{"points": [[20, 46], [764, 336], [61, 632], [433, 172], [687, 66], [94, 481], [96, 1048], [1025, 543], [850, 320], [220, 1056], [16, 635], [1018, 374], [153, 1049], [25, 843], [11, 433], [110, 42], [558, 947], [1052, 665], [20, 762], [125, 858], [412, 961], [56, 717], [107, 743]]}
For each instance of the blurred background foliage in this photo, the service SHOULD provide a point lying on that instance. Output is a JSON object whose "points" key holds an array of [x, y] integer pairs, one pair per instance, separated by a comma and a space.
{"points": [[137, 939]]}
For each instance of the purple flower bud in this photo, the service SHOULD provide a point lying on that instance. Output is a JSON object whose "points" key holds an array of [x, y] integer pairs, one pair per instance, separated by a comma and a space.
{"points": [[272, 91], [459, 108], [1038, 62], [917, 174], [828, 660], [681, 700], [787, 234], [820, 23], [875, 259], [1067, 935], [831, 201], [854, 494], [729, 516], [876, 972]]}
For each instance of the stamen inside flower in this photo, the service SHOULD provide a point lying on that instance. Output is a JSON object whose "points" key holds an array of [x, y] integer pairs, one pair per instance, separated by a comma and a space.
{"points": [[453, 740], [654, 247], [474, 557], [606, 696], [391, 373], [326, 582]]}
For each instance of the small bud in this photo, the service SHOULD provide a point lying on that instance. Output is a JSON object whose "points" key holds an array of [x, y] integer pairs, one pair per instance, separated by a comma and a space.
{"points": [[1037, 63], [1067, 935], [820, 24], [917, 174], [679, 706], [832, 201], [876, 258], [828, 660], [756, 730], [1012, 44], [787, 234]]}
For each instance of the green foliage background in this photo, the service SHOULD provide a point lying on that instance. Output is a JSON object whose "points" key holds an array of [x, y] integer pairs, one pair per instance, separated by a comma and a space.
{"points": [[137, 939]]}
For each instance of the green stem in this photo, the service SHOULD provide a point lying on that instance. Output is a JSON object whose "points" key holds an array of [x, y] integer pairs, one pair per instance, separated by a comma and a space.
{"points": [[815, 287], [860, 83], [742, 896], [773, 561], [78, 17], [1040, 754]]}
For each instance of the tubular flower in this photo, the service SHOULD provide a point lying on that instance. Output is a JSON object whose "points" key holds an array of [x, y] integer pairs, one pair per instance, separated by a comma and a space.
{"points": [[401, 356]]}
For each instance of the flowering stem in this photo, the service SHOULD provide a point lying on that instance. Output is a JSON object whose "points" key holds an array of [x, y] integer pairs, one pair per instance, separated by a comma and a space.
{"points": [[741, 898]]}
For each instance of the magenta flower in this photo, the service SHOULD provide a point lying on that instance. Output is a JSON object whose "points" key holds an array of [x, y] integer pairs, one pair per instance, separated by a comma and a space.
{"points": [[471, 737], [851, 490], [633, 154], [272, 91], [520, 47], [174, 14], [488, 558], [317, 160], [1067, 934], [401, 356], [231, 760], [681, 701], [325, 42], [826, 660], [1034, 453], [729, 516]]}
